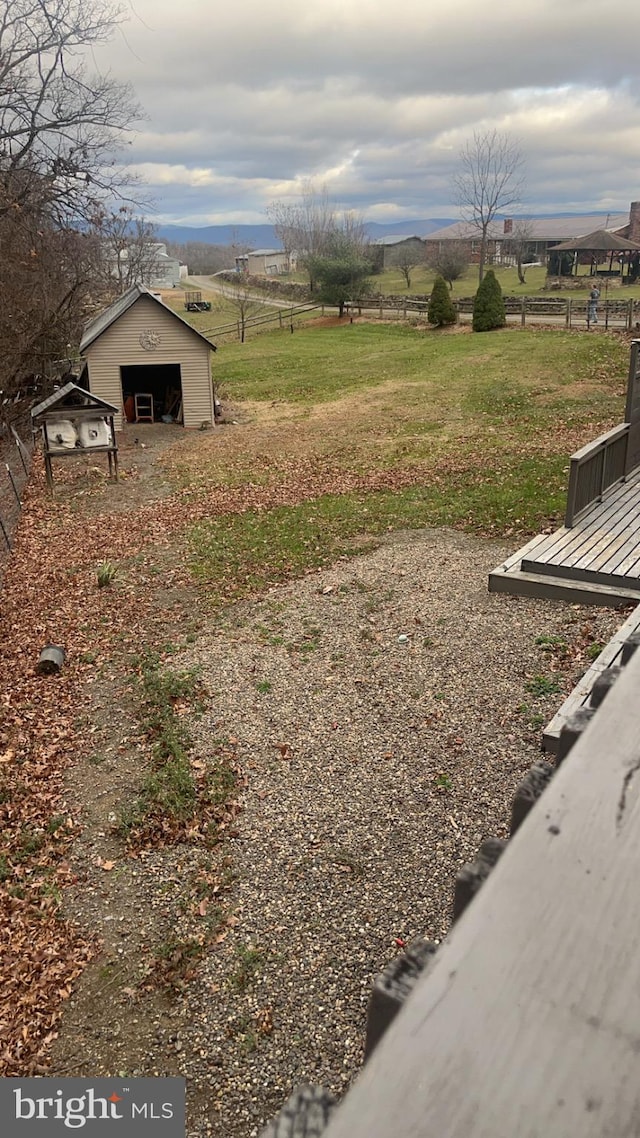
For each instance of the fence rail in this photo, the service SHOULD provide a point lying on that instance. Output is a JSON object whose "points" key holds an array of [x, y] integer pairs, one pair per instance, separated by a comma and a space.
{"points": [[568, 310], [595, 469], [282, 316]]}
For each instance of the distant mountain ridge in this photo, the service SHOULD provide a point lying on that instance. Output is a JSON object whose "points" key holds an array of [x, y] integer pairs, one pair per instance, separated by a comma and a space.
{"points": [[263, 236]]}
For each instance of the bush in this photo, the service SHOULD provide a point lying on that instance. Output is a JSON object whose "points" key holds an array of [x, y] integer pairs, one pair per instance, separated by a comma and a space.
{"points": [[441, 308], [488, 305]]}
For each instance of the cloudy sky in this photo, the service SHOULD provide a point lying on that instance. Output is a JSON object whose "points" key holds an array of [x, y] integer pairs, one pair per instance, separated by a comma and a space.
{"points": [[246, 100]]}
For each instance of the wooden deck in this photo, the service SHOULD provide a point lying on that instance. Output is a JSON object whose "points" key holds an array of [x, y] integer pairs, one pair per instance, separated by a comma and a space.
{"points": [[597, 561]]}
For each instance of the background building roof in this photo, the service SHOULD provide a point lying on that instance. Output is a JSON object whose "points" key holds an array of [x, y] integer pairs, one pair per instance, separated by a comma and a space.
{"points": [[541, 228]]}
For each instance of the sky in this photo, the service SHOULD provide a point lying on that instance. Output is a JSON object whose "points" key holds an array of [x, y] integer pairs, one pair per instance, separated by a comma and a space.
{"points": [[246, 101]]}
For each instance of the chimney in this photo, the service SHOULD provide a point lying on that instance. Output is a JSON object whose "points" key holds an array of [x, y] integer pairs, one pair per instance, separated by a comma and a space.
{"points": [[508, 224], [634, 222]]}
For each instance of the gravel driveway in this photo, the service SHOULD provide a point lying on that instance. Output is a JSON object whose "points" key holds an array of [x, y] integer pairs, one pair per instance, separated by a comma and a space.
{"points": [[383, 720]]}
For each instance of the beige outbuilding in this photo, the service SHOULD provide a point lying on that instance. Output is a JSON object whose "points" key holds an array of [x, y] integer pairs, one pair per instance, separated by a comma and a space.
{"points": [[151, 364]]}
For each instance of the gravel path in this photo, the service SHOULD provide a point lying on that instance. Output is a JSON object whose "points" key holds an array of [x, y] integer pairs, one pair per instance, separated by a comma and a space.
{"points": [[383, 720]]}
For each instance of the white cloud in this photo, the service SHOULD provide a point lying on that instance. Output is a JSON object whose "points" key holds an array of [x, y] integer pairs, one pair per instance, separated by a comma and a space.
{"points": [[246, 102]]}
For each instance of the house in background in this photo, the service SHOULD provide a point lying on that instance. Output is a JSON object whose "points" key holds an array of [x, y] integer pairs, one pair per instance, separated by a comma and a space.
{"points": [[389, 251], [148, 264], [543, 233], [143, 358], [266, 262]]}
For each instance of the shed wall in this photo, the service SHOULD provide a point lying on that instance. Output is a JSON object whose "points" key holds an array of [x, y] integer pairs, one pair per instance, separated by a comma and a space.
{"points": [[120, 346]]}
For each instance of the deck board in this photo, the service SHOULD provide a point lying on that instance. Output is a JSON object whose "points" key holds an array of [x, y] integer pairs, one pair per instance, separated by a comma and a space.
{"points": [[579, 697], [609, 511], [600, 554]]}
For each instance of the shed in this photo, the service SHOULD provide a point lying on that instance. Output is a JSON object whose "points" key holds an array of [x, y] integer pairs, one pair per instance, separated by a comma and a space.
{"points": [[265, 262], [147, 360], [396, 250]]}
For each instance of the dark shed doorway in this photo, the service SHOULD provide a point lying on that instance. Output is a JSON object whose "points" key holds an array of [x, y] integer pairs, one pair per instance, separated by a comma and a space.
{"points": [[162, 383]]}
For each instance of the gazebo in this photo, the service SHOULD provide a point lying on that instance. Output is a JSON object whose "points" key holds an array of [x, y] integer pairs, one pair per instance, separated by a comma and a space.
{"points": [[600, 242]]}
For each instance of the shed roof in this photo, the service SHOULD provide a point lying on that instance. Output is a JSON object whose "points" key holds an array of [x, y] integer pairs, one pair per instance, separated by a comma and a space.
{"points": [[108, 316], [265, 253], [600, 241], [71, 396], [397, 240]]}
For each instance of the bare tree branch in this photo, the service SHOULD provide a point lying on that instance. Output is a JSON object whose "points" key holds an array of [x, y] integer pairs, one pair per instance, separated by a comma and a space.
{"points": [[56, 120], [490, 180], [60, 128], [518, 245]]}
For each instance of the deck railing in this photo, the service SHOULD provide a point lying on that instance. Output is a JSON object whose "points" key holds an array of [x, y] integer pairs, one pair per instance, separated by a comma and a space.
{"points": [[595, 468]]}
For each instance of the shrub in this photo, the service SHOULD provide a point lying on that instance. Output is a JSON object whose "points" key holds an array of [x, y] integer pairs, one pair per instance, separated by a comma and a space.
{"points": [[441, 308], [488, 305]]}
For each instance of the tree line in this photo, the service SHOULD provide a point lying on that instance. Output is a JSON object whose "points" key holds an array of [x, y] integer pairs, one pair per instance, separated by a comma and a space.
{"points": [[62, 127]]}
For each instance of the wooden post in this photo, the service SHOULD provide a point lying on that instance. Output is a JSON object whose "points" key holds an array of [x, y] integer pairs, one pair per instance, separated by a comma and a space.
{"points": [[47, 467], [19, 446], [5, 534], [13, 483], [568, 318], [523, 307]]}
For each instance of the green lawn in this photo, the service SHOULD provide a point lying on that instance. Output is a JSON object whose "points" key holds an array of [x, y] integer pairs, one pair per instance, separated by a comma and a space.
{"points": [[345, 432], [499, 369], [391, 282]]}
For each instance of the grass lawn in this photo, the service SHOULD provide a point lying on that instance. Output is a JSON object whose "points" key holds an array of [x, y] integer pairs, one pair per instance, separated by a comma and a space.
{"points": [[391, 282], [348, 431], [224, 311]]}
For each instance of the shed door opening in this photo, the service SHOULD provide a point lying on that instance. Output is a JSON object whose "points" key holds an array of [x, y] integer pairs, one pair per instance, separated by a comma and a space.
{"points": [[162, 386]]}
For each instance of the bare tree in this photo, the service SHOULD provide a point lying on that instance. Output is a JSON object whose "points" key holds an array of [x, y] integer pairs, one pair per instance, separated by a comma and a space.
{"points": [[59, 131], [448, 259], [127, 249], [406, 258], [519, 244], [285, 218], [47, 290], [490, 180], [306, 226], [59, 125], [202, 258], [245, 305]]}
